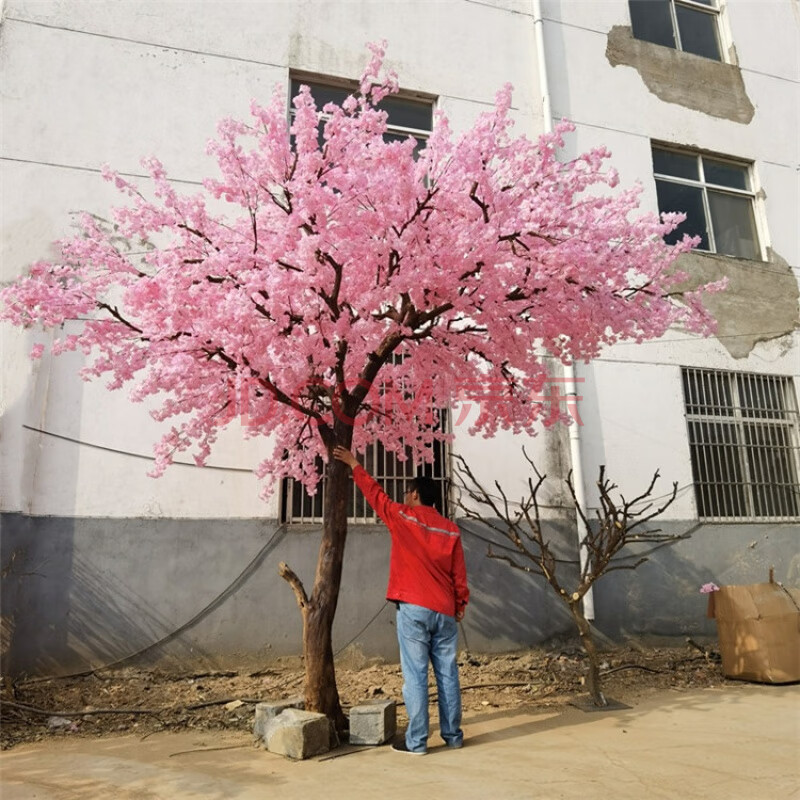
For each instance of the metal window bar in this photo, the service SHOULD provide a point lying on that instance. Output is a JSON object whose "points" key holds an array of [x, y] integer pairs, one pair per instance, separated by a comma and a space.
{"points": [[386, 467], [394, 475], [740, 443], [744, 440]]}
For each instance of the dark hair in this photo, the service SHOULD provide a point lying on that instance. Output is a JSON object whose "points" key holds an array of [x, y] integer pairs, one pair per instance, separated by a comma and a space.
{"points": [[427, 490]]}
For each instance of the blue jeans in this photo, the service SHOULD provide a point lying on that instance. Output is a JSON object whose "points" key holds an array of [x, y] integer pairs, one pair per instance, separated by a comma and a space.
{"points": [[424, 636]]}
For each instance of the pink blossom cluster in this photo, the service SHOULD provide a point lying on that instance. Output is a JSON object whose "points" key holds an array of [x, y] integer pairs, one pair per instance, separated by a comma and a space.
{"points": [[347, 267]]}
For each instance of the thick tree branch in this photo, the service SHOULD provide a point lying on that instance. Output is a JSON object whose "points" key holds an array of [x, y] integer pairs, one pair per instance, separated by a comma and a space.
{"points": [[332, 299], [115, 312], [473, 195], [288, 574], [197, 233]]}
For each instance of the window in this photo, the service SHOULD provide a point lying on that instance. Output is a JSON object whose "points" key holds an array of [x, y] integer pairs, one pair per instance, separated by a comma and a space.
{"points": [[717, 197], [392, 474], [688, 25], [743, 438], [406, 116]]}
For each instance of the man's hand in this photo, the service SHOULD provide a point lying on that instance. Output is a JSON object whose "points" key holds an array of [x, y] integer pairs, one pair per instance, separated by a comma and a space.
{"points": [[343, 454], [460, 613]]}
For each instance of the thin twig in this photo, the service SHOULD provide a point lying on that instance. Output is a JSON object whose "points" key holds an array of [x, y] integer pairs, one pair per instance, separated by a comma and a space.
{"points": [[631, 666], [209, 749], [209, 703], [49, 713]]}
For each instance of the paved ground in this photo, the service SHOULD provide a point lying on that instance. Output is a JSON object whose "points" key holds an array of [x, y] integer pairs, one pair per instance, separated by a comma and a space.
{"points": [[741, 742]]}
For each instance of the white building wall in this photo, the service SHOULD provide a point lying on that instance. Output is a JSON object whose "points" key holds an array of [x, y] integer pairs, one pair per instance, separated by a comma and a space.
{"points": [[108, 83], [633, 409], [86, 84]]}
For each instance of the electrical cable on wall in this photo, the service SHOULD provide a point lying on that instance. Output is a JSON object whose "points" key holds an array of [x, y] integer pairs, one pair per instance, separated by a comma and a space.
{"points": [[358, 635], [130, 454], [241, 578]]}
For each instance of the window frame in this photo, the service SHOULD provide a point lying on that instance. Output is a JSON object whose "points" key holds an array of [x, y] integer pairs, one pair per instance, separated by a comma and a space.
{"points": [[701, 183], [711, 9], [401, 472], [711, 455], [296, 79]]}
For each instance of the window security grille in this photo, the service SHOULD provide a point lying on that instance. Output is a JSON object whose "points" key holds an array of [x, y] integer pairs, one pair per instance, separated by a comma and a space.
{"points": [[717, 196], [392, 474], [743, 438], [688, 25]]}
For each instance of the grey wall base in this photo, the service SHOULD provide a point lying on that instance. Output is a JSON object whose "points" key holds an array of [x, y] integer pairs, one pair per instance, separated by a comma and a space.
{"points": [[83, 593]]}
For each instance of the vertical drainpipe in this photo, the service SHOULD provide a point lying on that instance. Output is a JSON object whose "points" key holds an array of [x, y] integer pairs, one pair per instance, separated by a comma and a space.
{"points": [[569, 369]]}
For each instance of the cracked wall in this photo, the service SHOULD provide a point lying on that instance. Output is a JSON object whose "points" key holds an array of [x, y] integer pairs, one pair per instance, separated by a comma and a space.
{"points": [[685, 79]]}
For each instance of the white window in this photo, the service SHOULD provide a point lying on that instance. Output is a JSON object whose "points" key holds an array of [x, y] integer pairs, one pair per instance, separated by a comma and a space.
{"points": [[743, 438], [406, 116], [688, 25], [715, 193]]}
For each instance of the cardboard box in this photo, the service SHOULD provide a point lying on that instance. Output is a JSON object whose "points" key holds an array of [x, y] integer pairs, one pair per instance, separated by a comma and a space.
{"points": [[759, 631]]}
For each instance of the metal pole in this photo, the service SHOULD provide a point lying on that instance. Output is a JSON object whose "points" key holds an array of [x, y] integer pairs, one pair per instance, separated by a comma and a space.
{"points": [[569, 369]]}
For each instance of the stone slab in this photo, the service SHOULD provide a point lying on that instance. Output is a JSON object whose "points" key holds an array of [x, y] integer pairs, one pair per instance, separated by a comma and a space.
{"points": [[373, 723], [271, 709], [296, 733]]}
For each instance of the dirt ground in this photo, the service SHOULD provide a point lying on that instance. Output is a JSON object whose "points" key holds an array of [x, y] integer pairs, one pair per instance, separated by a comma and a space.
{"points": [[144, 702]]}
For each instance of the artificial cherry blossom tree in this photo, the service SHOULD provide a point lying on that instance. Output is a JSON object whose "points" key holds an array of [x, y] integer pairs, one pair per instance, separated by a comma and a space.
{"points": [[346, 274]]}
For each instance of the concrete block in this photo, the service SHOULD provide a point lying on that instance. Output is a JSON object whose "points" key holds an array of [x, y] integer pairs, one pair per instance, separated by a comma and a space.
{"points": [[373, 723], [297, 734], [268, 711]]}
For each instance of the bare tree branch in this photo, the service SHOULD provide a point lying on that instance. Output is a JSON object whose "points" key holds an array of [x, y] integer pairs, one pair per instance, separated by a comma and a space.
{"points": [[288, 574]]}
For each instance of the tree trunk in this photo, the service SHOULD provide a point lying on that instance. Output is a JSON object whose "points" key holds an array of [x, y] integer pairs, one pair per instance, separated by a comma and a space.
{"points": [[593, 675], [320, 690], [321, 694]]}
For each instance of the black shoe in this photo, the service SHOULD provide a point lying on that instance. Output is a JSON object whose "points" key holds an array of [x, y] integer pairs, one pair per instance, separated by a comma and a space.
{"points": [[400, 747]]}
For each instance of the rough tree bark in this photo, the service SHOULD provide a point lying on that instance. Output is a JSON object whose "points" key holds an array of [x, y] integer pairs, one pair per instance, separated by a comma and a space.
{"points": [[593, 681], [616, 525], [318, 609]]}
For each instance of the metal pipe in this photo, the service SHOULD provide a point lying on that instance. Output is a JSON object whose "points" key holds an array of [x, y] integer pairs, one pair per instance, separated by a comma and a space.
{"points": [[569, 369]]}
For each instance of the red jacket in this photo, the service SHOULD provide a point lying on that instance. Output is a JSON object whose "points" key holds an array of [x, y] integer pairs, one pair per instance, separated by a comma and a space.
{"points": [[426, 566]]}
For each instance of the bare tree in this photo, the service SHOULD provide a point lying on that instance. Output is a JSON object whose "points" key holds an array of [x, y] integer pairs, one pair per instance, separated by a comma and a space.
{"points": [[615, 525]]}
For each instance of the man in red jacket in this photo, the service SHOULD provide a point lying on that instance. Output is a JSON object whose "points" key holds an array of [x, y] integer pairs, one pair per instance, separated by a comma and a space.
{"points": [[428, 583]]}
